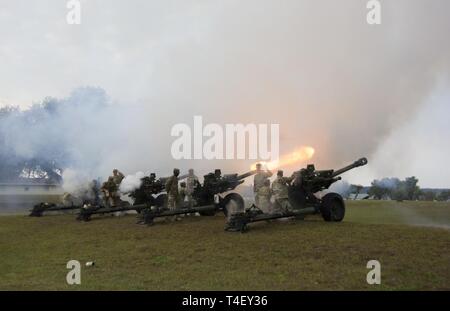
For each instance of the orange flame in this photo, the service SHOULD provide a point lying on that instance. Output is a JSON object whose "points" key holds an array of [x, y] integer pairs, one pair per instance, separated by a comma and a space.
{"points": [[302, 154]]}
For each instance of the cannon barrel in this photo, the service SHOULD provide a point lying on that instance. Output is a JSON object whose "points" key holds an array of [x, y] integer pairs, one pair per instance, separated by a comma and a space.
{"points": [[360, 162], [237, 177], [39, 209], [245, 175]]}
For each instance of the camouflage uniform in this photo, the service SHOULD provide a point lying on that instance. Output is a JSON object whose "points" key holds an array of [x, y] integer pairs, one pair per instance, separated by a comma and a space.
{"points": [[258, 182], [114, 193], [117, 177], [182, 194], [191, 182], [172, 192], [264, 195], [280, 193], [67, 199], [109, 189]]}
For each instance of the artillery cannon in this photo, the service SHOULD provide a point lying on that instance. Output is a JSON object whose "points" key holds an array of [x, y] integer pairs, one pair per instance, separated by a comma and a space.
{"points": [[150, 186], [39, 209], [301, 191], [207, 197], [151, 191], [88, 210], [215, 184], [143, 197], [148, 194]]}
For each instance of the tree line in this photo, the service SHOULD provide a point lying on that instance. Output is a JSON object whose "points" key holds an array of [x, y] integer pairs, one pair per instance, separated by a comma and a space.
{"points": [[396, 189]]}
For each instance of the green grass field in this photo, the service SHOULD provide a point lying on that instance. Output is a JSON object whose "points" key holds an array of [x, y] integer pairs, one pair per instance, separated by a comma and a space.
{"points": [[410, 239]]}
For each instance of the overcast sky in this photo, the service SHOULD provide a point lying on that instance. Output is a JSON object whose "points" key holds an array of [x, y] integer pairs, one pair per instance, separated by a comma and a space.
{"points": [[316, 67]]}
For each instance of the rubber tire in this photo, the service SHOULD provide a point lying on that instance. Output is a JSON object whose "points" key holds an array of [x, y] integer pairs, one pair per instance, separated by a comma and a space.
{"points": [[333, 207], [235, 197]]}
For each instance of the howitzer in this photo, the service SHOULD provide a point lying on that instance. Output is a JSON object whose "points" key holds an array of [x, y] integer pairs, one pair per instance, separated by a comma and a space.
{"points": [[39, 209], [207, 199], [146, 191], [214, 184], [151, 190], [87, 211], [302, 199], [144, 198]]}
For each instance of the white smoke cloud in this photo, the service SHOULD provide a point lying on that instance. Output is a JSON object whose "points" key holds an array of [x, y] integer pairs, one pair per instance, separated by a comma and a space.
{"points": [[75, 181], [315, 67], [131, 182], [342, 187]]}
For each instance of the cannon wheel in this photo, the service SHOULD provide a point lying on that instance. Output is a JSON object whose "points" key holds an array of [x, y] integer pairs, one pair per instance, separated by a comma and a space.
{"points": [[233, 202], [333, 207]]}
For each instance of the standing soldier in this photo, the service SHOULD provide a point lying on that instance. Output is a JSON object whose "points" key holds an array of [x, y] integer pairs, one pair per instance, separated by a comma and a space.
{"points": [[172, 191], [259, 179], [191, 183], [280, 192], [117, 177], [109, 189], [264, 194], [182, 194], [152, 177], [93, 192], [68, 199]]}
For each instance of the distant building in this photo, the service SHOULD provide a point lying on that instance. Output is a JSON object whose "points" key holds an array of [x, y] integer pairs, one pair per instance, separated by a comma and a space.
{"points": [[24, 193]]}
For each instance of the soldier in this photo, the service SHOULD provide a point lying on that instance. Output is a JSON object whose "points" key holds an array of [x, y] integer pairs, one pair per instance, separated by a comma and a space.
{"points": [[191, 183], [117, 177], [68, 199], [297, 181], [182, 193], [93, 192], [280, 192], [264, 195], [172, 191], [152, 177], [258, 180], [211, 180], [109, 189]]}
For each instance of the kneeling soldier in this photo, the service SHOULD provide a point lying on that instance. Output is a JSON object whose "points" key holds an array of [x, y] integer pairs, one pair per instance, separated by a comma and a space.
{"points": [[280, 192], [264, 195]]}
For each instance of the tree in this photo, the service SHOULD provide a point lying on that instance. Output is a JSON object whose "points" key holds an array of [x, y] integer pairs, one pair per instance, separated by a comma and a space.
{"points": [[411, 188], [444, 195], [14, 166], [379, 189], [428, 195]]}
